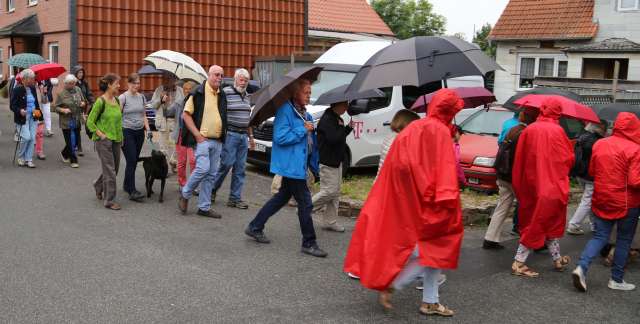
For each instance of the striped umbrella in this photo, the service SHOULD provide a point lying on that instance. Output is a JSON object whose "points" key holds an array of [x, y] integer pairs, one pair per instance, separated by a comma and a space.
{"points": [[26, 60]]}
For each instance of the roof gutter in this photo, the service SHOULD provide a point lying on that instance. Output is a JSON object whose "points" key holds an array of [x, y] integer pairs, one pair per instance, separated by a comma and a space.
{"points": [[73, 26]]}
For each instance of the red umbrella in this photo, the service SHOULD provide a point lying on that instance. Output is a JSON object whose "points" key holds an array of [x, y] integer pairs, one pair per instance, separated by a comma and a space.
{"points": [[570, 108], [472, 96], [47, 70]]}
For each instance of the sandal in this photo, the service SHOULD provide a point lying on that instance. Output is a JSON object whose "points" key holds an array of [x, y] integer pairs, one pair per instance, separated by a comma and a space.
{"points": [[112, 206], [385, 299], [436, 309], [522, 270], [560, 264]]}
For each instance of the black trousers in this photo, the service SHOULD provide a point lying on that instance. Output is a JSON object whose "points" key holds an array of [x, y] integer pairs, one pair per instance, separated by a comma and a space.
{"points": [[131, 147], [67, 153]]}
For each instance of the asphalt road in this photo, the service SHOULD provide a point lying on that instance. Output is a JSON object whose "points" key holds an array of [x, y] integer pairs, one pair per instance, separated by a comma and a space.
{"points": [[65, 258]]}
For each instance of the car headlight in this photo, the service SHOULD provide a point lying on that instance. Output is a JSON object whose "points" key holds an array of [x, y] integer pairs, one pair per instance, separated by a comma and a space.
{"points": [[484, 161]]}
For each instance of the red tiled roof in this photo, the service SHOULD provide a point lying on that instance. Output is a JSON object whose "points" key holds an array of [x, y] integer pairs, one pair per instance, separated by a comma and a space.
{"points": [[546, 20], [351, 16]]}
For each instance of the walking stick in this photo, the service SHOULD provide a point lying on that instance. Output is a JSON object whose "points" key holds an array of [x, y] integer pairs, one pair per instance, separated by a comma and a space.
{"points": [[15, 152]]}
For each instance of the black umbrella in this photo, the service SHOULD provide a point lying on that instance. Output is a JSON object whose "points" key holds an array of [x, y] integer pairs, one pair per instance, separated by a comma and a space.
{"points": [[509, 104], [340, 94], [421, 60], [268, 99], [610, 111]]}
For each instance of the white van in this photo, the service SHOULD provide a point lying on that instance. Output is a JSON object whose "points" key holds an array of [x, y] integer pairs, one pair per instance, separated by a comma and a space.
{"points": [[341, 63]]}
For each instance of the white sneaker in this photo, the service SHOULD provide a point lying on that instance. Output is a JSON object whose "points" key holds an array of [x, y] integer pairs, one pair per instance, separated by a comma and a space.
{"points": [[352, 276], [75, 165], [621, 285], [578, 279], [575, 230], [334, 228], [65, 160], [21, 162], [30, 164]]}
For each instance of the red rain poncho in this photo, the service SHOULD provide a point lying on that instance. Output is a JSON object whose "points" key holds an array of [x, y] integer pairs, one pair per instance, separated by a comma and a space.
{"points": [[615, 166], [414, 201], [543, 159]]}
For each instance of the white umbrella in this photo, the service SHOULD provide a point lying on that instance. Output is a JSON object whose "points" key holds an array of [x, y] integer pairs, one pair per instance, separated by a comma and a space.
{"points": [[182, 66]]}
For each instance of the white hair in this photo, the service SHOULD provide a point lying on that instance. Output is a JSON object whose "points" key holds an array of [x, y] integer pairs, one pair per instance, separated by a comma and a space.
{"points": [[70, 78], [54, 81], [242, 73], [27, 74]]}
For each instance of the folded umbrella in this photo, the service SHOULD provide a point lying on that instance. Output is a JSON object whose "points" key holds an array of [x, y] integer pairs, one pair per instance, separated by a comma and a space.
{"points": [[182, 66], [268, 99], [472, 96], [25, 60], [47, 71], [610, 111], [340, 94], [570, 108], [510, 104], [420, 60]]}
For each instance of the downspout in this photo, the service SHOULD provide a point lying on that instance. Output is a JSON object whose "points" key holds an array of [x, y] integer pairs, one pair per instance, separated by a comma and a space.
{"points": [[73, 26], [306, 25]]}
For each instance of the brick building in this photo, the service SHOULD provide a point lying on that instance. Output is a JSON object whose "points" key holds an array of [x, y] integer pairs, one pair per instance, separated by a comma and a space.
{"points": [[114, 36]]}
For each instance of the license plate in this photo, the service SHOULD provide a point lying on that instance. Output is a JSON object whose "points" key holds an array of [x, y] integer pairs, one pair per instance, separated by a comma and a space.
{"points": [[474, 181], [261, 148]]}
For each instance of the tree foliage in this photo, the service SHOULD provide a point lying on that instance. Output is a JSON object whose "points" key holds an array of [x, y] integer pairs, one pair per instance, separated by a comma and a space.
{"points": [[481, 38], [409, 18]]}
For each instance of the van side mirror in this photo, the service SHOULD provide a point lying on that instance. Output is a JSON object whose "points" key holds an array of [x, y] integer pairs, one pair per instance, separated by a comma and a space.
{"points": [[357, 107]]}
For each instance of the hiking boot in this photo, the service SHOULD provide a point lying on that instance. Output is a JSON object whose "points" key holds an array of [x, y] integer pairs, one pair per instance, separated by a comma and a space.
{"points": [[574, 230], [136, 196], [21, 162], [183, 204], [334, 228], [315, 251], [579, 280], [491, 245], [208, 213], [237, 204], [621, 285], [257, 235], [436, 309]]}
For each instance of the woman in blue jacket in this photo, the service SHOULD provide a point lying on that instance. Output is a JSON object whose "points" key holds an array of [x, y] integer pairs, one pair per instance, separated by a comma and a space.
{"points": [[293, 149]]}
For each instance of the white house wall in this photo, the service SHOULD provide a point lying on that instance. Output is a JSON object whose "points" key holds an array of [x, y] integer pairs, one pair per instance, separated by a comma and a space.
{"points": [[614, 23]]}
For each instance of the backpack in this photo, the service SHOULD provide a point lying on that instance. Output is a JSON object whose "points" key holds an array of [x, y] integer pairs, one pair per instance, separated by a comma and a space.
{"points": [[101, 107], [582, 151], [505, 156]]}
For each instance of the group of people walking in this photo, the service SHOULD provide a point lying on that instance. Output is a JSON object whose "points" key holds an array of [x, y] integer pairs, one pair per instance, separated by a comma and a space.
{"points": [[410, 226]]}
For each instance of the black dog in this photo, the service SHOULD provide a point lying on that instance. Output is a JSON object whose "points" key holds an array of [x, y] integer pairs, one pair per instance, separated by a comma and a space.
{"points": [[155, 167]]}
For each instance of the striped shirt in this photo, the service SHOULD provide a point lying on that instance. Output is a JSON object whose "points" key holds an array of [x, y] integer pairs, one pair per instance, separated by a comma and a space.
{"points": [[238, 110]]}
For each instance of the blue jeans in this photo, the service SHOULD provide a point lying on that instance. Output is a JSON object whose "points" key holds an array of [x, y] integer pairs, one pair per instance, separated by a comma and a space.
{"points": [[412, 271], [234, 155], [299, 190], [626, 229], [27, 139], [207, 161]]}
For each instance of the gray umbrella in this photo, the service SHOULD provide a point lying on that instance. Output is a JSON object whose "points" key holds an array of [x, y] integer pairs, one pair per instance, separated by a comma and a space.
{"points": [[340, 94], [268, 99], [421, 60], [610, 111]]}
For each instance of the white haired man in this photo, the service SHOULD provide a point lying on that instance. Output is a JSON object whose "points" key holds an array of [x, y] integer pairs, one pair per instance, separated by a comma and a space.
{"points": [[239, 139]]}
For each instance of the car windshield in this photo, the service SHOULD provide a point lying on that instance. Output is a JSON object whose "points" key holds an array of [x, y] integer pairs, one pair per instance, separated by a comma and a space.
{"points": [[328, 80], [486, 122], [464, 114]]}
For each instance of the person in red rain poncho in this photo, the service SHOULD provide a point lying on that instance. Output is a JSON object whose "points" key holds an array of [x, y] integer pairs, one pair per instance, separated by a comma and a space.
{"points": [[411, 223], [615, 167], [540, 176]]}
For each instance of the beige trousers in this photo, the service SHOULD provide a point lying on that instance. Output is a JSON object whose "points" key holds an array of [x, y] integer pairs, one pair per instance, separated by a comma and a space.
{"points": [[506, 196], [329, 194]]}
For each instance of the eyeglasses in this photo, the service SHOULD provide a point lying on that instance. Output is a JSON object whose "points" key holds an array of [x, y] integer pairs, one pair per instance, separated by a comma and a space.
{"points": [[218, 74]]}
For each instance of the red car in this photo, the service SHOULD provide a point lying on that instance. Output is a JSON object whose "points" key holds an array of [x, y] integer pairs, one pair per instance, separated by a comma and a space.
{"points": [[479, 144]]}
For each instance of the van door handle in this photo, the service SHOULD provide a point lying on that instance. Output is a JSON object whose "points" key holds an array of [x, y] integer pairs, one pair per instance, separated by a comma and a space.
{"points": [[386, 124]]}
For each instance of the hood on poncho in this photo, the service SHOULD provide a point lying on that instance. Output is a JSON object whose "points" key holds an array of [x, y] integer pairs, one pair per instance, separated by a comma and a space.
{"points": [[627, 125], [444, 105], [551, 108]]}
